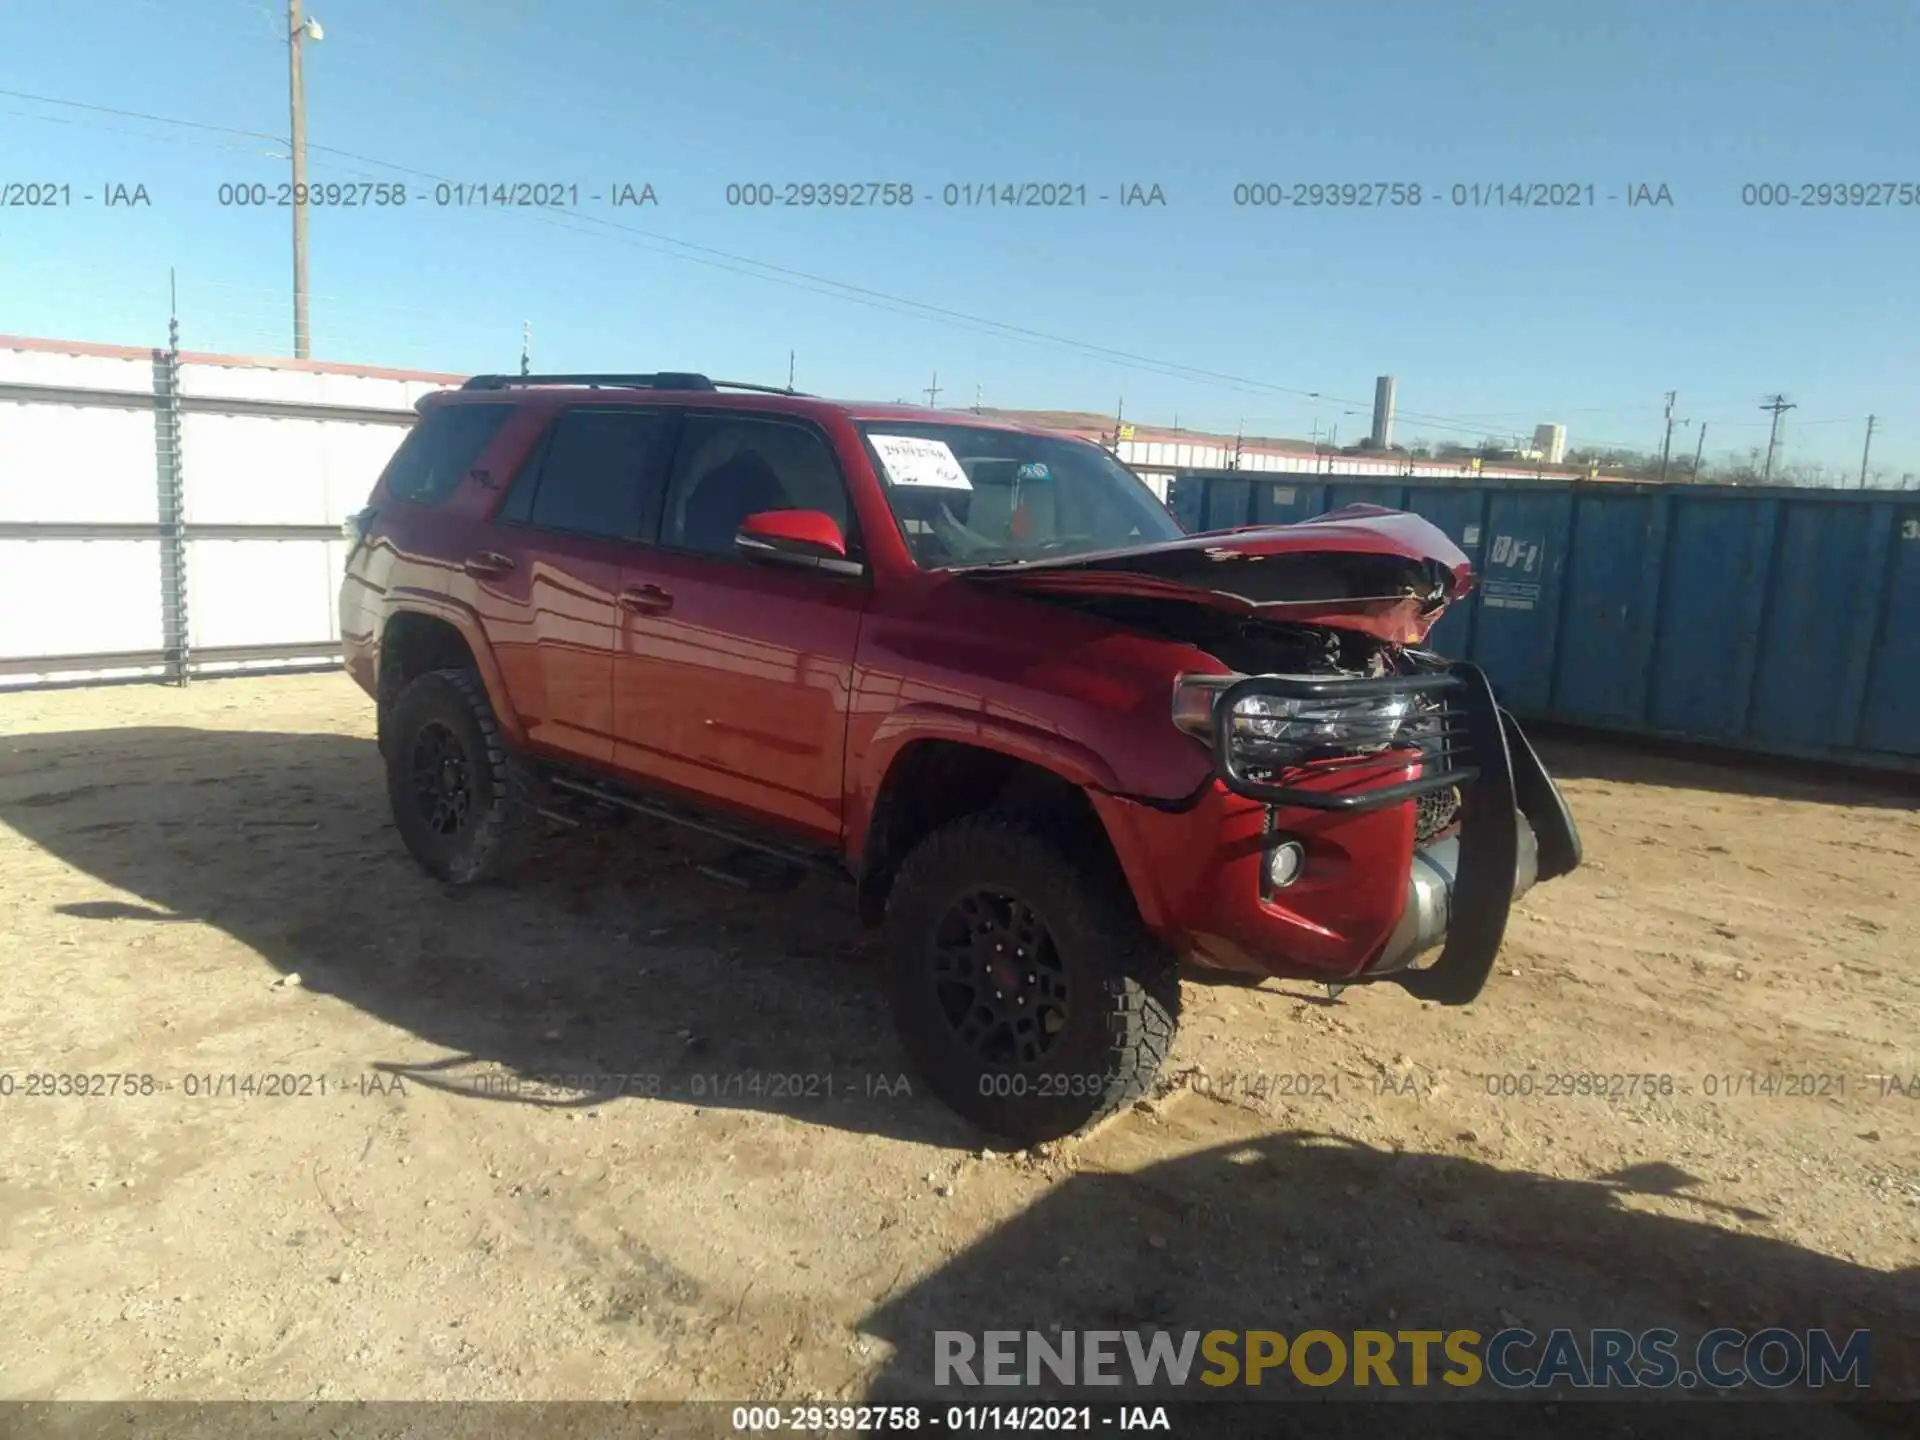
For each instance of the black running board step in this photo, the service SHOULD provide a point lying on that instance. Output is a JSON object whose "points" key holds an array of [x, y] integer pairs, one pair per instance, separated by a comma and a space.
{"points": [[812, 862], [755, 870]]}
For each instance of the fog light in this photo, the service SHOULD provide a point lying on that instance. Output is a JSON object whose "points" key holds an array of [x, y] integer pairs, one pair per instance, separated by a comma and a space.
{"points": [[1284, 863]]}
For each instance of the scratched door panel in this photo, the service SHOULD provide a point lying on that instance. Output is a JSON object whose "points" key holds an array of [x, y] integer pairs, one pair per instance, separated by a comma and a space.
{"points": [[1603, 627], [1514, 628], [1715, 563], [1229, 504], [1287, 500], [1890, 719], [1817, 602]]}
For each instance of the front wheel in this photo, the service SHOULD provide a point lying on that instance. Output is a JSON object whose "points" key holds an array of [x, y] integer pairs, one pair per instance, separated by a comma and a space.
{"points": [[459, 798], [1026, 990]]}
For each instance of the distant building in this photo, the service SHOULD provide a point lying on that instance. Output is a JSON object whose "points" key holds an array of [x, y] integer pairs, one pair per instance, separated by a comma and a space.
{"points": [[1382, 436], [1551, 442]]}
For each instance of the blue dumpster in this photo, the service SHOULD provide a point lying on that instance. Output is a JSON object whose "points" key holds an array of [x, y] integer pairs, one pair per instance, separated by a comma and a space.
{"points": [[1780, 620]]}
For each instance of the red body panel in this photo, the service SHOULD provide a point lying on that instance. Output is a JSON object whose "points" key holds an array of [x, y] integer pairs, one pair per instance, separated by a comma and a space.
{"points": [[784, 695], [735, 688]]}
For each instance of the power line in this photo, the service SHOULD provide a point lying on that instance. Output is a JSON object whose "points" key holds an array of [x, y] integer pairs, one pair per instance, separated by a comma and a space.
{"points": [[718, 259], [216, 129], [836, 289], [81, 124], [726, 260]]}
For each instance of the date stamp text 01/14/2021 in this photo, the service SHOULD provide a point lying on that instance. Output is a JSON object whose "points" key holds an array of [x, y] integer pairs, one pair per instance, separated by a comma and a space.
{"points": [[54, 192], [720, 1086], [577, 1087]]}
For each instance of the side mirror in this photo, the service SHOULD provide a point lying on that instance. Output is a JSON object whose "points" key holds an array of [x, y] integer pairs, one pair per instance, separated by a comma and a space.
{"points": [[808, 539]]}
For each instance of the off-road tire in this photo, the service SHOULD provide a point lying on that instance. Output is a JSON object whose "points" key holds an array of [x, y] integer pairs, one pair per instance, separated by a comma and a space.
{"points": [[499, 819], [1123, 985]]}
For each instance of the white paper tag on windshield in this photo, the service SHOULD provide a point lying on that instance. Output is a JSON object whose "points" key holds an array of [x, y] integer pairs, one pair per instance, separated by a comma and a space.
{"points": [[913, 461]]}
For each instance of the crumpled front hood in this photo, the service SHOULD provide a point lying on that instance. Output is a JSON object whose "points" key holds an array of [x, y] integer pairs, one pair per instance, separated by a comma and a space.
{"points": [[1385, 573]]}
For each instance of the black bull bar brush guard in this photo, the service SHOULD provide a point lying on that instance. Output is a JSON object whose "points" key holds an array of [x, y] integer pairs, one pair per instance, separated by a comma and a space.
{"points": [[1465, 742]]}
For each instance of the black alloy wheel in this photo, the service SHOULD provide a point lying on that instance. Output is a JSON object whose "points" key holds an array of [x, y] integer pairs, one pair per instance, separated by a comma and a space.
{"points": [[1027, 992], [462, 801], [999, 979], [442, 779]]}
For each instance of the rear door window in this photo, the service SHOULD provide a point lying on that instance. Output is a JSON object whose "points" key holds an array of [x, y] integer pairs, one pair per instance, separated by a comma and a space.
{"points": [[440, 449], [596, 472]]}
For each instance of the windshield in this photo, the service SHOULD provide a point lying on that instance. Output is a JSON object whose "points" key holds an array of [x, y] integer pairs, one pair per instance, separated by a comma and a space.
{"points": [[968, 495]]}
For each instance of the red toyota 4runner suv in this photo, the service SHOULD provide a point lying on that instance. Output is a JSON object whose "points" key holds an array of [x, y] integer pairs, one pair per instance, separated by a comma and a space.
{"points": [[1058, 745]]}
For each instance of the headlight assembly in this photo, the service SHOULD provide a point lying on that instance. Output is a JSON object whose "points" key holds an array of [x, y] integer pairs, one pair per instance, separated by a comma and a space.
{"points": [[1274, 730]]}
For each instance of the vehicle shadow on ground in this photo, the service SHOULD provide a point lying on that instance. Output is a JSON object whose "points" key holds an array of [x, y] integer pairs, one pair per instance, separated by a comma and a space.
{"points": [[1571, 756], [606, 956], [1297, 1231]]}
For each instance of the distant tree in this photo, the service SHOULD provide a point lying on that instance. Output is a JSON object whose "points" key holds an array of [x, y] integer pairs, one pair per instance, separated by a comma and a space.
{"points": [[1618, 463], [1748, 469], [1804, 473]]}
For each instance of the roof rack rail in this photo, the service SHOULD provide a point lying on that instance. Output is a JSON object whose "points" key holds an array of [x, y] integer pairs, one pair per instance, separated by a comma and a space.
{"points": [[759, 389], [664, 380]]}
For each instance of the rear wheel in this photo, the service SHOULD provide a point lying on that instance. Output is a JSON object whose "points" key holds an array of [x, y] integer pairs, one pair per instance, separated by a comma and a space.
{"points": [[459, 798], [1026, 990]]}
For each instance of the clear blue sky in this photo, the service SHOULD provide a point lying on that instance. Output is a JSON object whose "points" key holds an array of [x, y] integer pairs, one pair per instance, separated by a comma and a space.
{"points": [[1495, 318]]}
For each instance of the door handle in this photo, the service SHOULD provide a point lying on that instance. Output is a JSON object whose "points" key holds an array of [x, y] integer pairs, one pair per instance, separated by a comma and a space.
{"points": [[488, 564], [646, 600]]}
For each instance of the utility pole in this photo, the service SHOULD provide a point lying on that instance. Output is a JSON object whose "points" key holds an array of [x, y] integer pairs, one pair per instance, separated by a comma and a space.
{"points": [[933, 389], [1779, 405], [526, 347], [1699, 446], [1666, 445], [1866, 450], [789, 372], [299, 29]]}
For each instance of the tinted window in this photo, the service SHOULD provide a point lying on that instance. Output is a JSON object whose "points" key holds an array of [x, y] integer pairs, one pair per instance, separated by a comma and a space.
{"points": [[440, 449], [517, 508], [729, 468], [592, 474]]}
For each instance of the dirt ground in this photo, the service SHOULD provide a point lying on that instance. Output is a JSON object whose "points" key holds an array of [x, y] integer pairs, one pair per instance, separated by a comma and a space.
{"points": [[203, 884]]}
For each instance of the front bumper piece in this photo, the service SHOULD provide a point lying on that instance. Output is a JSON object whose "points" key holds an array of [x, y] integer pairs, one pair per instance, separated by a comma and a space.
{"points": [[1514, 829]]}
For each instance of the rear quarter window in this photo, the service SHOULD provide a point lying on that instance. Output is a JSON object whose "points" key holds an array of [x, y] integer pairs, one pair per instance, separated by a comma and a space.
{"points": [[440, 449]]}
